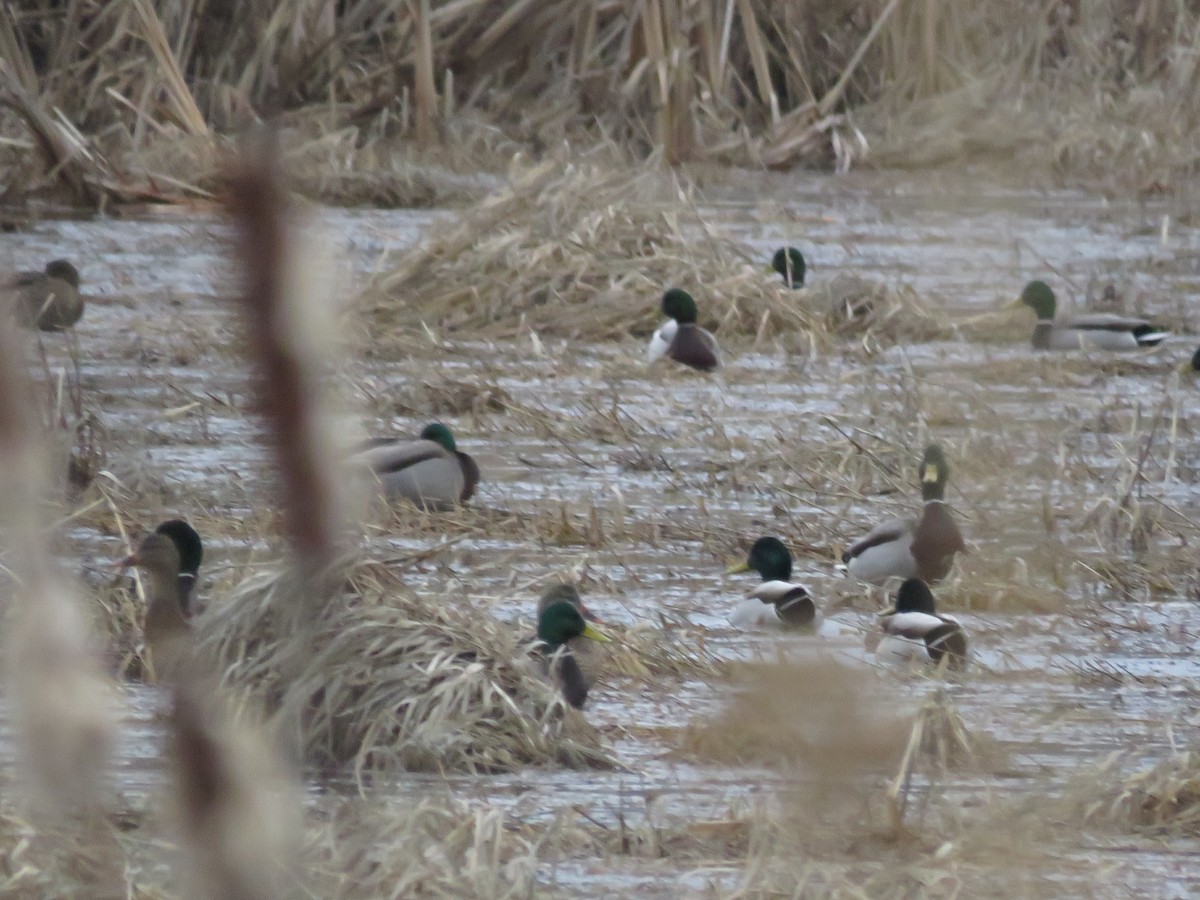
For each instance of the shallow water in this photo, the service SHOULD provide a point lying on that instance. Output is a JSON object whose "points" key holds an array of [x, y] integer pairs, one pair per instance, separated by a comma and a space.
{"points": [[1046, 440]]}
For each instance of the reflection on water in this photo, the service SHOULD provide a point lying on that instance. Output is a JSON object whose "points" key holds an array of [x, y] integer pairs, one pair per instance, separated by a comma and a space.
{"points": [[159, 338]]}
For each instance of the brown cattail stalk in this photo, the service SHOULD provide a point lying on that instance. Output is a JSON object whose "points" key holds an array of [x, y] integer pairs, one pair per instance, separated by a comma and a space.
{"points": [[287, 348], [424, 89], [62, 702]]}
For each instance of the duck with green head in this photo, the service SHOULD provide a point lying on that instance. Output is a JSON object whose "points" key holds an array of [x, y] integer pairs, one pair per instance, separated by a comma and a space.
{"points": [[48, 300], [789, 263], [563, 643], [191, 553], [1094, 331], [680, 338], [430, 471], [914, 631], [901, 548], [778, 602]]}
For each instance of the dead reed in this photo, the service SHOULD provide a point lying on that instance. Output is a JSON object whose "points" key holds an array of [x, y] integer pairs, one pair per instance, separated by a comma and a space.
{"points": [[527, 260], [1162, 798], [91, 92], [390, 680]]}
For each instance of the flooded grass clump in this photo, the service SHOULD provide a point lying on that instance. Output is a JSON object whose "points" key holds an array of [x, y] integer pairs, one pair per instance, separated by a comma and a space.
{"points": [[436, 847], [815, 712], [525, 260], [1162, 799], [387, 680]]}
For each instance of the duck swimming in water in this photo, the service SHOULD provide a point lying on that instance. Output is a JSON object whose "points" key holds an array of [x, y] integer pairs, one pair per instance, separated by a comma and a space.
{"points": [[680, 338]]}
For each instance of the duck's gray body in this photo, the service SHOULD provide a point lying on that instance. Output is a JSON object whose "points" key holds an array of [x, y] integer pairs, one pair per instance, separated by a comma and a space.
{"points": [[1097, 331], [422, 471]]}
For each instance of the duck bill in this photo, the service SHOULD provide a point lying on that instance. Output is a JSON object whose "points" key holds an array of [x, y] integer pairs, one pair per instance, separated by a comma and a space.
{"points": [[128, 562], [742, 566], [1015, 303], [1186, 368], [891, 611], [595, 634]]}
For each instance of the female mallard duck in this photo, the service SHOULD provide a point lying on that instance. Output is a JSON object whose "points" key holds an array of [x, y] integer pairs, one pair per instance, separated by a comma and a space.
{"points": [[431, 471], [777, 602], [562, 632], [680, 338], [789, 263], [191, 553], [1102, 331], [166, 631], [902, 548], [914, 631], [48, 300]]}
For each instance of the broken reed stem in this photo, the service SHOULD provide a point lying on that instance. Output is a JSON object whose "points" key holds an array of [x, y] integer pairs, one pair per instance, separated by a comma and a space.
{"points": [[834, 95], [283, 350], [57, 155], [185, 105], [424, 87]]}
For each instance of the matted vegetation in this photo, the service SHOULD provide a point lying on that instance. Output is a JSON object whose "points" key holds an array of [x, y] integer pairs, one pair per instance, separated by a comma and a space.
{"points": [[94, 93], [385, 679], [1163, 798], [525, 259]]}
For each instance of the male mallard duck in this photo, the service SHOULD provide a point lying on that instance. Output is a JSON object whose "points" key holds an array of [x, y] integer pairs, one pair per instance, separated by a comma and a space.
{"points": [[777, 602], [902, 548], [789, 263], [680, 338], [48, 300], [570, 594], [431, 471], [1103, 331], [191, 553], [166, 631], [913, 630], [561, 631]]}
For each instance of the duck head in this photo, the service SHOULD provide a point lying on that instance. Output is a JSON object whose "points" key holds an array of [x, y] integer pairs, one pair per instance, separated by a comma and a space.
{"points": [[561, 621], [439, 434], [769, 558], [1038, 296], [678, 304], [935, 473], [63, 271], [914, 596], [187, 544], [789, 263], [565, 593]]}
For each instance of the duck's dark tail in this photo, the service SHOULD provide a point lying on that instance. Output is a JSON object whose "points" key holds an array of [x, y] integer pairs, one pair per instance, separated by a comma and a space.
{"points": [[948, 642]]}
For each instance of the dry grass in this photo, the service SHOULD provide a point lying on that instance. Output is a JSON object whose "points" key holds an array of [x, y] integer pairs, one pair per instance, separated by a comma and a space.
{"points": [[1162, 799], [432, 847], [525, 261], [94, 93], [387, 680]]}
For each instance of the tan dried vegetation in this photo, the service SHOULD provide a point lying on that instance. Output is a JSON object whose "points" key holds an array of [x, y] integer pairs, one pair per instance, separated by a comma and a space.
{"points": [[130, 100]]}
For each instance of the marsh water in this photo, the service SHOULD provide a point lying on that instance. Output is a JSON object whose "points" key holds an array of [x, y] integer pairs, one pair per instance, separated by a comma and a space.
{"points": [[1083, 625]]}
